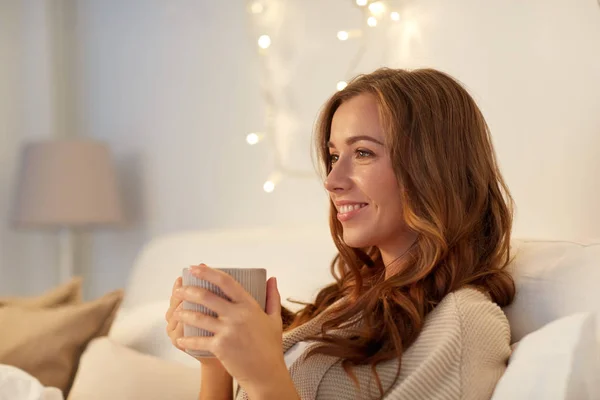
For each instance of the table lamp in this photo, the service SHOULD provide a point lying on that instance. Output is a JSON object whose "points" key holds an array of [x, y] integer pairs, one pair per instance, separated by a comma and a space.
{"points": [[66, 184]]}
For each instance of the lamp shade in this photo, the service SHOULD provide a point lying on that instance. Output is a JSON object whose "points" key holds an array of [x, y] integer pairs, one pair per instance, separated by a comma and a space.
{"points": [[66, 183]]}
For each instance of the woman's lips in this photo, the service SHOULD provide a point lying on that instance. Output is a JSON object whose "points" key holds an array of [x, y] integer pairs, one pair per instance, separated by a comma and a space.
{"points": [[347, 215]]}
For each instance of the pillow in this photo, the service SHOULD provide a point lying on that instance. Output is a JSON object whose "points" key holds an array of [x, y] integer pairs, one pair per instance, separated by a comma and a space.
{"points": [[18, 384], [47, 342], [553, 280], [559, 361], [143, 328], [131, 375], [67, 293]]}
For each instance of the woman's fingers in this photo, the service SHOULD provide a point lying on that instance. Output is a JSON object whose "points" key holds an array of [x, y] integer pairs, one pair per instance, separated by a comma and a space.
{"points": [[230, 287], [199, 320], [174, 301], [204, 297], [195, 342], [176, 334], [172, 322], [174, 327], [176, 316], [178, 331], [178, 283], [171, 310]]}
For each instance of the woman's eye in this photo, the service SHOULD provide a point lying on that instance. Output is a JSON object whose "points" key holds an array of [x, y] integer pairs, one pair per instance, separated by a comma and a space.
{"points": [[333, 158], [363, 153]]}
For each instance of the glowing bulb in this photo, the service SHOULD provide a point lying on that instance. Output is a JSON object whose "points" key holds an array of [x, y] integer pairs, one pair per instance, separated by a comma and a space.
{"points": [[372, 22], [256, 7], [264, 41], [361, 3], [273, 180], [395, 16], [376, 8], [342, 35], [252, 138], [269, 186], [341, 85]]}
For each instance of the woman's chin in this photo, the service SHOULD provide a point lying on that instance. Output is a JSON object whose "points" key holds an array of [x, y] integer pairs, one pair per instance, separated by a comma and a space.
{"points": [[357, 240]]}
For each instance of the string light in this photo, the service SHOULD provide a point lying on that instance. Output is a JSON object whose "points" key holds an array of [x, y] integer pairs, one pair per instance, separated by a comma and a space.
{"points": [[256, 7], [373, 11], [253, 138], [343, 35], [377, 8], [273, 180], [264, 41], [269, 186]]}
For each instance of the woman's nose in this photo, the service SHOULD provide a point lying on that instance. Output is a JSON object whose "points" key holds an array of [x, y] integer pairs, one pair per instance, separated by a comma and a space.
{"points": [[338, 179]]}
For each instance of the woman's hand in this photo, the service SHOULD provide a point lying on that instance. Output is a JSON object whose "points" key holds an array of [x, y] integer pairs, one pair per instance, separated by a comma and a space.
{"points": [[247, 341], [175, 328]]}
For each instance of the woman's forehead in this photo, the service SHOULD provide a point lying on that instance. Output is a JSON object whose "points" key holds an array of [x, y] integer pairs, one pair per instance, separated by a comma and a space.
{"points": [[356, 116]]}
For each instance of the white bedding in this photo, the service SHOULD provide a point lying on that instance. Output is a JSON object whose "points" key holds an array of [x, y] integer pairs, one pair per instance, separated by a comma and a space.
{"points": [[16, 384]]}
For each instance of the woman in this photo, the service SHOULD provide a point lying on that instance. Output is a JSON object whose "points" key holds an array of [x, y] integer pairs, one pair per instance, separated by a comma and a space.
{"points": [[421, 217]]}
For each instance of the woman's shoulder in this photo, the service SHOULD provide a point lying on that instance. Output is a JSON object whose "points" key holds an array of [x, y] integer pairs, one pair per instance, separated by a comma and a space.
{"points": [[470, 318], [470, 308], [470, 303], [467, 297], [466, 335], [464, 319]]}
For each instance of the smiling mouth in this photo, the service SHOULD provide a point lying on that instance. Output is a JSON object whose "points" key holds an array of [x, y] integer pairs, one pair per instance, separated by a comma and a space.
{"points": [[349, 211]]}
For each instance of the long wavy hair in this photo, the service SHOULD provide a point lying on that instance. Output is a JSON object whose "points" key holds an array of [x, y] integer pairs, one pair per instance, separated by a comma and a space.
{"points": [[454, 199]]}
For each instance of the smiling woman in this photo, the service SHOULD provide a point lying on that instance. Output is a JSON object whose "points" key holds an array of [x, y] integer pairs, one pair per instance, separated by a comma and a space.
{"points": [[421, 217], [419, 210]]}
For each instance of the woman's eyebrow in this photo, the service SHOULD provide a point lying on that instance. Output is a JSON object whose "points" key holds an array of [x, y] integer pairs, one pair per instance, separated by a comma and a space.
{"points": [[354, 139]]}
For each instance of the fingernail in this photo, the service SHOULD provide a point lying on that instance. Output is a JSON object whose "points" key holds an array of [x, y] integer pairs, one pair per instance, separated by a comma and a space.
{"points": [[179, 290], [180, 341]]}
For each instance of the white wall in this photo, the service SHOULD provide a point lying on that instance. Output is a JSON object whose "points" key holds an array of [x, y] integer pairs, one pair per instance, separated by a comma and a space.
{"points": [[28, 111], [534, 67], [173, 87]]}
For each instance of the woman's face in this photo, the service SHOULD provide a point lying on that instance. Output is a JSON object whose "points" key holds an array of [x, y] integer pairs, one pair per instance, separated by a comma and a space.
{"points": [[362, 183]]}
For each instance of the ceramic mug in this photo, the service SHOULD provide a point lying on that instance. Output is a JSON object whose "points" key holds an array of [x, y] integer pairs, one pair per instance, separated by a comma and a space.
{"points": [[253, 280]]}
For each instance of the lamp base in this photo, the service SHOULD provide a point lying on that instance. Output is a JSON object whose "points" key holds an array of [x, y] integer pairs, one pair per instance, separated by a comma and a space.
{"points": [[66, 254]]}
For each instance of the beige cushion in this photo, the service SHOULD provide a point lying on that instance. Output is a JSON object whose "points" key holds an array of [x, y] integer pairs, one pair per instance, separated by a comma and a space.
{"points": [[109, 370], [67, 293], [47, 342]]}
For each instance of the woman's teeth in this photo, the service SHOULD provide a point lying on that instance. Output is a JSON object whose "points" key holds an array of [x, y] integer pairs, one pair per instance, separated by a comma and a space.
{"points": [[350, 207]]}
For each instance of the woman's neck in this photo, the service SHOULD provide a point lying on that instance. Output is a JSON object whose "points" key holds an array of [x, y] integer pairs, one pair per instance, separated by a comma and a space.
{"points": [[394, 252]]}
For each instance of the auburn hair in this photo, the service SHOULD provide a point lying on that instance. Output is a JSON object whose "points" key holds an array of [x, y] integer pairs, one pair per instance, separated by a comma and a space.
{"points": [[454, 199]]}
